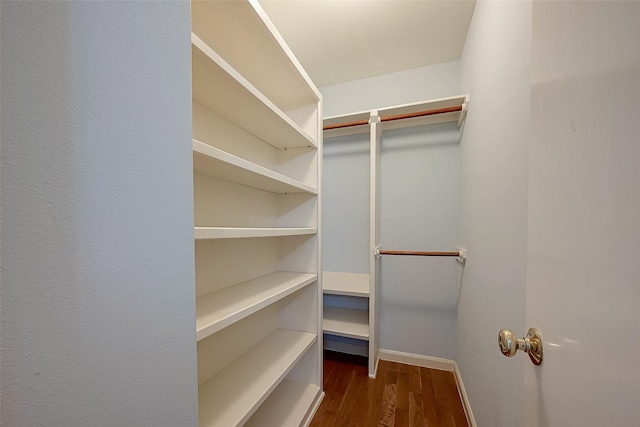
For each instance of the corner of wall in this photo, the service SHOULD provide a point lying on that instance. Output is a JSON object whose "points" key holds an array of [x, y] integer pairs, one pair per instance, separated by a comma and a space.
{"points": [[414, 85], [495, 71]]}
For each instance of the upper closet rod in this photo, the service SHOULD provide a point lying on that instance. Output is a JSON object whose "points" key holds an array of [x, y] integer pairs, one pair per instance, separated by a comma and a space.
{"points": [[396, 117], [346, 125]]}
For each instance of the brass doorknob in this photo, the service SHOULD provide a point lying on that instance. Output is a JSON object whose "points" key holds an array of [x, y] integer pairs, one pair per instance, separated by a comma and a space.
{"points": [[531, 344]]}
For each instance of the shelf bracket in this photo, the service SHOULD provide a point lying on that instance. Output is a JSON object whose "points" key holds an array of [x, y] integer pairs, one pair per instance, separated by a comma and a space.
{"points": [[463, 113], [376, 251], [463, 255]]}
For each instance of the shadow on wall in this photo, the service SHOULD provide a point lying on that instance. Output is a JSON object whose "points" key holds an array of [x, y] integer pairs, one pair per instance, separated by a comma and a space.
{"points": [[424, 138], [419, 305]]}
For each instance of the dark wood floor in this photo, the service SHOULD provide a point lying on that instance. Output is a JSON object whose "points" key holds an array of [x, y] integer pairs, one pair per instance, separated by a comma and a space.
{"points": [[401, 395]]}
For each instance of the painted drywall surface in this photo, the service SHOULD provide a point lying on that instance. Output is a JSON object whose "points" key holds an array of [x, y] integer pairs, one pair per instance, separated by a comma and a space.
{"points": [[97, 234], [345, 204], [1, 138], [495, 71], [584, 215], [419, 174], [418, 84]]}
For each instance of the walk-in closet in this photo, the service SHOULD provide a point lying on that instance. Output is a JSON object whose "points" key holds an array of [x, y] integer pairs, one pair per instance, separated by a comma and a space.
{"points": [[345, 213]]}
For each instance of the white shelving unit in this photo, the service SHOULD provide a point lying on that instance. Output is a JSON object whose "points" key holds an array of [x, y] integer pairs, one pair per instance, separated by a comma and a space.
{"points": [[257, 150], [351, 303]]}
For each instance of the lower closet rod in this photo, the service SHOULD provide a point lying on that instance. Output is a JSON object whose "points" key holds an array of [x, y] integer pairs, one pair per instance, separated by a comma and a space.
{"points": [[416, 253]]}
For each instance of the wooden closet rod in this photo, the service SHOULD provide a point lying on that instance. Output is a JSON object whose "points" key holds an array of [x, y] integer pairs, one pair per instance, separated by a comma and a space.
{"points": [[346, 125], [422, 113], [396, 117], [415, 253]]}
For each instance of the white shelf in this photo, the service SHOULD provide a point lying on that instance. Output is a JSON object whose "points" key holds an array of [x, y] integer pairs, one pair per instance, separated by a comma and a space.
{"points": [[349, 284], [217, 163], [434, 104], [244, 35], [296, 397], [244, 232], [346, 322], [222, 89], [231, 396], [219, 309], [346, 118], [454, 101]]}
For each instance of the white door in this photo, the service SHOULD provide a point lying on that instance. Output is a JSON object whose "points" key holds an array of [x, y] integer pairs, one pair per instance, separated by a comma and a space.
{"points": [[583, 284]]}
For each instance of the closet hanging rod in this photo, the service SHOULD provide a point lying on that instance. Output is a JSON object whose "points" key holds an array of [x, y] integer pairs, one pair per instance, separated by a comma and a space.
{"points": [[422, 113], [396, 117], [419, 253], [346, 125]]}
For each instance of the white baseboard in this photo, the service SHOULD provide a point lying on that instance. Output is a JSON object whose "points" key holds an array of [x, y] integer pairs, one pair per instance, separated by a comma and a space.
{"points": [[463, 397], [417, 360], [433, 363]]}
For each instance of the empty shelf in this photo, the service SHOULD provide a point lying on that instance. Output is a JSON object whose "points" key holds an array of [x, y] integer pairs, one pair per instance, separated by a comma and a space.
{"points": [[219, 309], [231, 396], [242, 232], [350, 284], [217, 163], [346, 322], [245, 36], [399, 116], [295, 396], [434, 104], [357, 123], [221, 88]]}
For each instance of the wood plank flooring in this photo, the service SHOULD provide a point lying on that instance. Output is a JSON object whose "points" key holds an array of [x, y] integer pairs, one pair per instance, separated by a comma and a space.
{"points": [[400, 396]]}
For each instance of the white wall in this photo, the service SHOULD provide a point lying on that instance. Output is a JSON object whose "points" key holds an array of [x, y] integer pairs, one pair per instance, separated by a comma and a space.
{"points": [[495, 70], [418, 84], [97, 215], [345, 204], [419, 175], [419, 208]]}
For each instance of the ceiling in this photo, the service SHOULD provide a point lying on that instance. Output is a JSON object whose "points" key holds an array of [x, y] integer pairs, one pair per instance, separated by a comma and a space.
{"points": [[343, 40]]}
